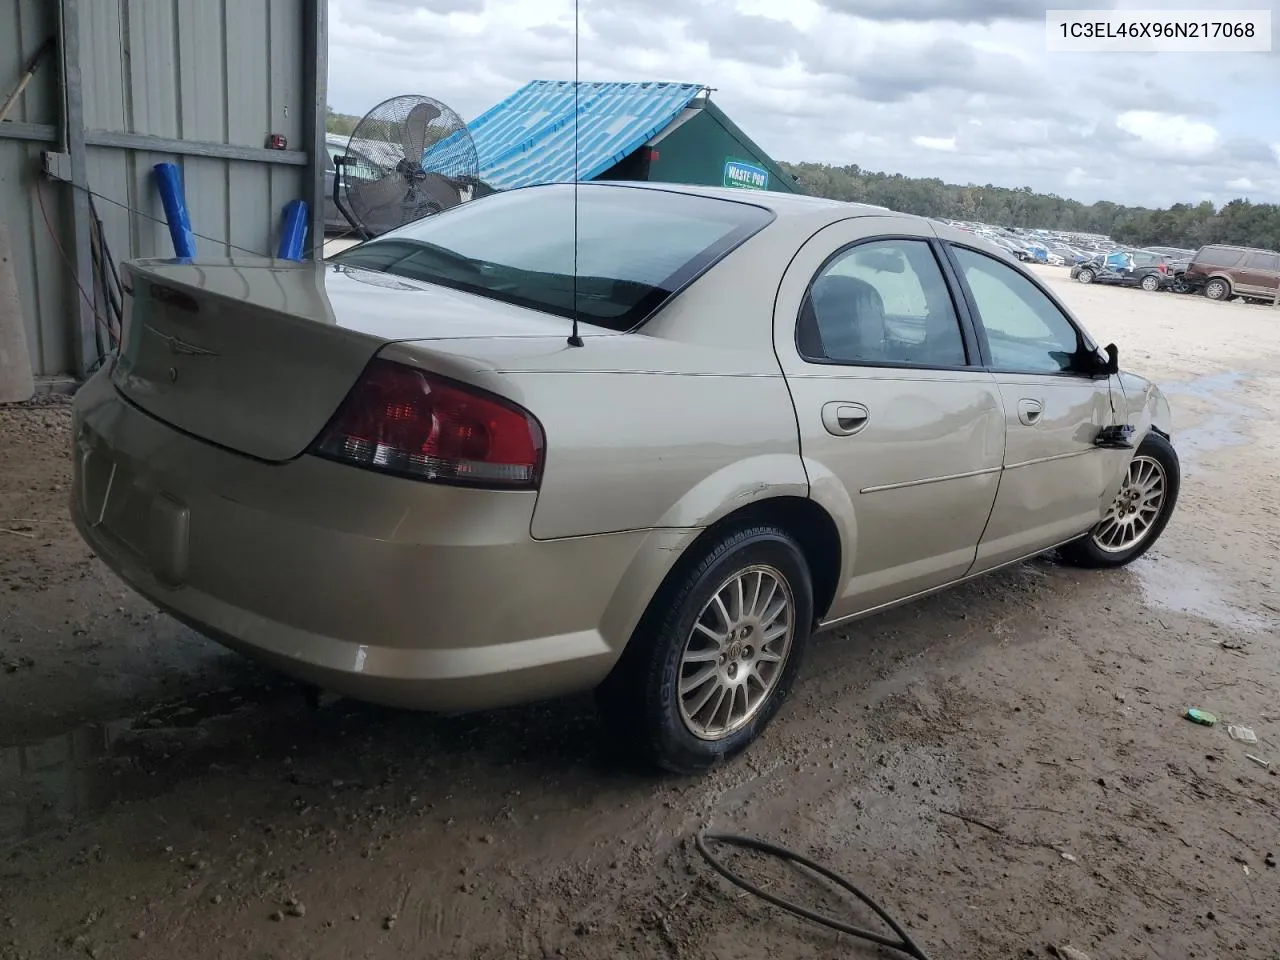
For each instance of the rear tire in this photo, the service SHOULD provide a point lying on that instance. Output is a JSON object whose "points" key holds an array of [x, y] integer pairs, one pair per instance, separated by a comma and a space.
{"points": [[1139, 513], [1085, 276], [703, 640], [1150, 283], [1217, 289]]}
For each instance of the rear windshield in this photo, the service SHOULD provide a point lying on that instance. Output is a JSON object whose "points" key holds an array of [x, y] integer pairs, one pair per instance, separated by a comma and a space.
{"points": [[636, 248]]}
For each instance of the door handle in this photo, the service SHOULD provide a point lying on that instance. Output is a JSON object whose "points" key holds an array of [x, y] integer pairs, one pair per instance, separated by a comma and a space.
{"points": [[843, 419], [1029, 411]]}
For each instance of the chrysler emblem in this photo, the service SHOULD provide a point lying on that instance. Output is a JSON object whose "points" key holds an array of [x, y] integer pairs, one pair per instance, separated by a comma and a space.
{"points": [[181, 347]]}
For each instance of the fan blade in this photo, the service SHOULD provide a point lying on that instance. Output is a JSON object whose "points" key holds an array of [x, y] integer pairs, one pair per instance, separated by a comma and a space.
{"points": [[377, 203], [414, 135], [439, 189]]}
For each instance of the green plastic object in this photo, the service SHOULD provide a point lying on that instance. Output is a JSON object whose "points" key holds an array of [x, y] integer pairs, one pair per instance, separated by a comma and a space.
{"points": [[1202, 717]]}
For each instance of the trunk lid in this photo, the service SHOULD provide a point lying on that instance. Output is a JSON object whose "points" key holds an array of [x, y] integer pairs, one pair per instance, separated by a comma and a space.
{"points": [[256, 355]]}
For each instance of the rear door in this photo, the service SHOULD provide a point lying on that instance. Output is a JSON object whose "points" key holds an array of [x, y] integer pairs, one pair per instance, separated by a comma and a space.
{"points": [[901, 430], [1054, 477], [1258, 274]]}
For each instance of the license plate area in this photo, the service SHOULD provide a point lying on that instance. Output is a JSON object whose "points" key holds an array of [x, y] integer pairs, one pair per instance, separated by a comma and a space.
{"points": [[128, 504]]}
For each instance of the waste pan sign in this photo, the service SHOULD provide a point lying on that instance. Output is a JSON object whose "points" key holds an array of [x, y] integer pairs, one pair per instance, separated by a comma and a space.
{"points": [[739, 174]]}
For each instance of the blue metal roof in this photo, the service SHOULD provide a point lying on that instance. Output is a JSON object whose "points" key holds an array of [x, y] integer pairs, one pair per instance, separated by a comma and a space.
{"points": [[528, 137]]}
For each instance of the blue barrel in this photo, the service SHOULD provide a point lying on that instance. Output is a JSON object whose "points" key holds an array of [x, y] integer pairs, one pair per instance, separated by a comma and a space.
{"points": [[169, 182], [293, 232]]}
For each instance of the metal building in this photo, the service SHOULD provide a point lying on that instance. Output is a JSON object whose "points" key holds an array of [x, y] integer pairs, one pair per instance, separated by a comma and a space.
{"points": [[131, 83], [666, 132]]}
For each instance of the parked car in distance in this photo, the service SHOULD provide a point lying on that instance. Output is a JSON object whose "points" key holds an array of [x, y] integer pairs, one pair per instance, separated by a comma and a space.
{"points": [[1149, 271], [1221, 272], [396, 475], [338, 146]]}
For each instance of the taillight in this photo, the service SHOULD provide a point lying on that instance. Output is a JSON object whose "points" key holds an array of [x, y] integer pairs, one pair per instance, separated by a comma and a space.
{"points": [[401, 420], [1163, 268]]}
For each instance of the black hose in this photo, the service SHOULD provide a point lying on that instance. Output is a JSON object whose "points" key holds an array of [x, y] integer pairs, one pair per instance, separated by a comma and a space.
{"points": [[903, 945]]}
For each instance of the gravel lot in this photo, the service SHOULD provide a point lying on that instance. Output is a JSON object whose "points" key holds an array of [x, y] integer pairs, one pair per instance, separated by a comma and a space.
{"points": [[1005, 766]]}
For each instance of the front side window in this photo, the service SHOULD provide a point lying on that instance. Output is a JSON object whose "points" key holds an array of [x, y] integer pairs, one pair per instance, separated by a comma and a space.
{"points": [[882, 302], [635, 248], [1026, 332]]}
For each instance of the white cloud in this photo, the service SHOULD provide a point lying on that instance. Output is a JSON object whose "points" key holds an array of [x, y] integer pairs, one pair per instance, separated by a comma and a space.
{"points": [[1240, 183], [879, 83], [1171, 133], [946, 144]]}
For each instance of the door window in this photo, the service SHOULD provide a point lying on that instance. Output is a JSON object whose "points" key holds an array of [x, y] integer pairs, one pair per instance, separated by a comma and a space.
{"points": [[1217, 257], [1263, 261], [882, 302], [1026, 332]]}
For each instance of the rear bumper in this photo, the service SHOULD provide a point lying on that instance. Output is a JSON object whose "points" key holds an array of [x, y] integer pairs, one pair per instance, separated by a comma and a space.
{"points": [[384, 589]]}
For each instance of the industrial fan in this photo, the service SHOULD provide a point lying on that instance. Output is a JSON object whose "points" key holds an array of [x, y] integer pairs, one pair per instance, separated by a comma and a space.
{"points": [[410, 157]]}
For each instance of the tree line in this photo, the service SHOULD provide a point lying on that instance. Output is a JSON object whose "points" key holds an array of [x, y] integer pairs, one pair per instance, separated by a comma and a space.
{"points": [[1181, 225]]}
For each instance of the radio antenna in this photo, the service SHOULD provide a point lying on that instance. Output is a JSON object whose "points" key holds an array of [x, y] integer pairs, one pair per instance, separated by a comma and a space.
{"points": [[574, 339]]}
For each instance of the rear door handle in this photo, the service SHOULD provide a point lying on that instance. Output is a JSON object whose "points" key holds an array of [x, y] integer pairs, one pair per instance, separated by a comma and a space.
{"points": [[1029, 411], [843, 419]]}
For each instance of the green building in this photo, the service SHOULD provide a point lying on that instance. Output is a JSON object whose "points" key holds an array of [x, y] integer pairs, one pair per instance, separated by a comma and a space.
{"points": [[661, 132]]}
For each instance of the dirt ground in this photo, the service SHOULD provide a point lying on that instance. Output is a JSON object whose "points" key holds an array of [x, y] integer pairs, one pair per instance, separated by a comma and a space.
{"points": [[1005, 766]]}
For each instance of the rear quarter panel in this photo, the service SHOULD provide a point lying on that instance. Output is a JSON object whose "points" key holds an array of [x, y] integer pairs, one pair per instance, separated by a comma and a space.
{"points": [[674, 426]]}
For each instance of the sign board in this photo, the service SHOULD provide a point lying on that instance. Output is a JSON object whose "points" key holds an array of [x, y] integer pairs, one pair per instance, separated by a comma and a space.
{"points": [[746, 175]]}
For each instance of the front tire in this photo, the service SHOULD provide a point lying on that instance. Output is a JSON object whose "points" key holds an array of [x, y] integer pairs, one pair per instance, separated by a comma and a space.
{"points": [[1138, 515], [715, 655]]}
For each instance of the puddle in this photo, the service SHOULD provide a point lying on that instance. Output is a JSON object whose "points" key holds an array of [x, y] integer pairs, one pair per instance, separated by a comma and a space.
{"points": [[1184, 588], [53, 782], [1225, 426]]}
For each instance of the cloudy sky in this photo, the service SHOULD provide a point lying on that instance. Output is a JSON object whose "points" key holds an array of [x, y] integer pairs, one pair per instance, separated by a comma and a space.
{"points": [[963, 90]]}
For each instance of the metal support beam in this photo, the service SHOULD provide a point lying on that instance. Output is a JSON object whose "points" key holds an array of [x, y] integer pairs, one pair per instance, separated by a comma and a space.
{"points": [[38, 132], [84, 342], [316, 84], [193, 148]]}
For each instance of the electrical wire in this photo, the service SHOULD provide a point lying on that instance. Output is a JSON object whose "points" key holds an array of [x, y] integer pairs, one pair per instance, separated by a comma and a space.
{"points": [[904, 943], [93, 194], [53, 235]]}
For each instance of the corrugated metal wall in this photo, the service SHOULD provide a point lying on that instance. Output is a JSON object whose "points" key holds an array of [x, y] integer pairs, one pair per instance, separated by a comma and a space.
{"points": [[209, 73], [43, 279]]}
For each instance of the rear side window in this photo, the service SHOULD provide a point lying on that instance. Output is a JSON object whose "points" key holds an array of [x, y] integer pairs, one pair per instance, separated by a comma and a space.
{"points": [[1263, 261], [636, 248], [1217, 257]]}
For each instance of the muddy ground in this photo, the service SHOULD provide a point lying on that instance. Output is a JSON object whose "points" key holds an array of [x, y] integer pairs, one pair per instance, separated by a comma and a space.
{"points": [[1006, 765]]}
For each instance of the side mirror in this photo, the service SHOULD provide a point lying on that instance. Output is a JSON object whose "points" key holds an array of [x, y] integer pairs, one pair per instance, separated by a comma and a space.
{"points": [[1113, 360]]}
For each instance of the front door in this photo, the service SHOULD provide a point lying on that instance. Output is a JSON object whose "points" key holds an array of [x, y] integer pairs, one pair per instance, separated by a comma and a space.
{"points": [[901, 431], [1055, 477]]}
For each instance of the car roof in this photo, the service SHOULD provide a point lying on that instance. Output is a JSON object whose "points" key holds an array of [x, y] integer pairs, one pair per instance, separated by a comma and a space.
{"points": [[1232, 246], [780, 204]]}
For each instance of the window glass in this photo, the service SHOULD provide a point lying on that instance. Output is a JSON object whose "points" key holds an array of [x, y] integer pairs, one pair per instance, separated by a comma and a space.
{"points": [[1217, 257], [882, 302], [1263, 261], [1025, 330], [635, 247]]}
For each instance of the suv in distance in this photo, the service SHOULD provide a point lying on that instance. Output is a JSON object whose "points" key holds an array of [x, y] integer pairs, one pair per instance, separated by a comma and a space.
{"points": [[1223, 272]]}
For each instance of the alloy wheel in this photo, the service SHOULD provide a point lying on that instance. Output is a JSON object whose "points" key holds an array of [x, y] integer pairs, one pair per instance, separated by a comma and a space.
{"points": [[736, 653], [1136, 507]]}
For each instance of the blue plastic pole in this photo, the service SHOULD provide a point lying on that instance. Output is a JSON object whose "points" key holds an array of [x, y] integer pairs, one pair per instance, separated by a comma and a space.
{"points": [[169, 182], [293, 233]]}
